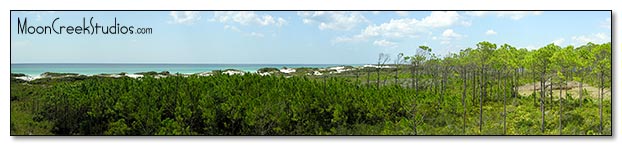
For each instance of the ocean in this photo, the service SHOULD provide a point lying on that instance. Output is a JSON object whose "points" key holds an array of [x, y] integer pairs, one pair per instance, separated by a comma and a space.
{"points": [[93, 69]]}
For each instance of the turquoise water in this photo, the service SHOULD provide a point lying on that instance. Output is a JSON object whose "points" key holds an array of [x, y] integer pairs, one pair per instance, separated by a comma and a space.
{"points": [[92, 69]]}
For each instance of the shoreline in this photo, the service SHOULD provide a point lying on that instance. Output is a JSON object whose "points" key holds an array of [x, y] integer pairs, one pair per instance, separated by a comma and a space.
{"points": [[264, 71], [36, 69]]}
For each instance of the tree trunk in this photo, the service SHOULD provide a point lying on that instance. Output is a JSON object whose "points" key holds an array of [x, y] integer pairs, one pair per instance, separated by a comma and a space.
{"points": [[499, 83], [413, 72], [436, 84], [417, 75], [384, 83], [534, 89], [542, 93], [378, 77], [504, 108], [474, 83], [357, 77], [581, 89], [464, 89], [602, 87], [412, 77], [482, 92], [443, 77], [551, 92], [560, 106], [514, 84], [397, 69]]}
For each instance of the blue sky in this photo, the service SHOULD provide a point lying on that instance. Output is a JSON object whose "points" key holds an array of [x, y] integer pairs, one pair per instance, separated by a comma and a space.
{"points": [[290, 37]]}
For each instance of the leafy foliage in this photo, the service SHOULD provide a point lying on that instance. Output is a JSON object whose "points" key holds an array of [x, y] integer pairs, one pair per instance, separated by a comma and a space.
{"points": [[460, 94]]}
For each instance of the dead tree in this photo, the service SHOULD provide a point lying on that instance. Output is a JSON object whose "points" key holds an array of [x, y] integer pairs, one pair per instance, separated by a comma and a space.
{"points": [[398, 61], [382, 59]]}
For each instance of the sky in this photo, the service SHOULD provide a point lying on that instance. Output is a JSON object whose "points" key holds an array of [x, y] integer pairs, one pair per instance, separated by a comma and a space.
{"points": [[295, 37]]}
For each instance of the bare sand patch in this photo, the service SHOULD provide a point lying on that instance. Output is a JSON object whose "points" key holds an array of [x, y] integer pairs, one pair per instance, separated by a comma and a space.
{"points": [[573, 89]]}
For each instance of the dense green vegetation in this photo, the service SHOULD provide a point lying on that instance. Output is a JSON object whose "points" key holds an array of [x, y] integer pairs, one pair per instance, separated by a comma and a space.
{"points": [[267, 69], [53, 74], [153, 73], [474, 92]]}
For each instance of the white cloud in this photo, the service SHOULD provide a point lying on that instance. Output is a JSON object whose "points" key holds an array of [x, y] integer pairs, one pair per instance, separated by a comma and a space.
{"points": [[247, 18], [514, 15], [375, 12], [449, 33], [184, 17], [256, 34], [333, 20], [530, 47], [394, 28], [268, 20], [229, 27], [597, 38], [402, 13], [406, 27], [440, 19], [491, 32], [385, 43], [559, 41]]}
